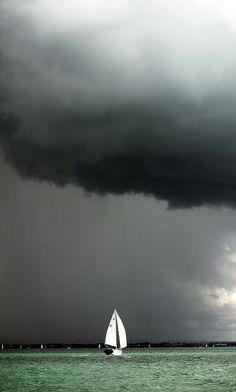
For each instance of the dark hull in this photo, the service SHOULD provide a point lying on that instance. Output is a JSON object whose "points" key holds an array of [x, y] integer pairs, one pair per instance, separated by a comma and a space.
{"points": [[108, 351]]}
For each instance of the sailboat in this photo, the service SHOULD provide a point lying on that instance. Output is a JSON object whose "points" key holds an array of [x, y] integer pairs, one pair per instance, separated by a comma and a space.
{"points": [[116, 336]]}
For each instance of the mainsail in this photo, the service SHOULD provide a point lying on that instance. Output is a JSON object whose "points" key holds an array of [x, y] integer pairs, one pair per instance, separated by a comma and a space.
{"points": [[111, 336], [116, 335]]}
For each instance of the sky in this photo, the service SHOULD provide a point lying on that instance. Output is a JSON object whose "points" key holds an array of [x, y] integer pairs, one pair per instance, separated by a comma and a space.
{"points": [[117, 169]]}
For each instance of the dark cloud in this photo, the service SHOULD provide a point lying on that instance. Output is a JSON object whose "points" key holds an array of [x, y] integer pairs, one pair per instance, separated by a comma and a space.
{"points": [[118, 97], [121, 106]]}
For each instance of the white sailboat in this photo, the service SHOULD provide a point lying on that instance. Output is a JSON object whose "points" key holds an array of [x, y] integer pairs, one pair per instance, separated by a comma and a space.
{"points": [[116, 336]]}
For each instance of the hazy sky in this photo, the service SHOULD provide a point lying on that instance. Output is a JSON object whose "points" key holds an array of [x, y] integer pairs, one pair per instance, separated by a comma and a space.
{"points": [[131, 103]]}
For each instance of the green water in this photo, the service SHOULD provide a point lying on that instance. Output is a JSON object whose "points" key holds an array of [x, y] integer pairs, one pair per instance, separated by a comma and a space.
{"points": [[198, 369]]}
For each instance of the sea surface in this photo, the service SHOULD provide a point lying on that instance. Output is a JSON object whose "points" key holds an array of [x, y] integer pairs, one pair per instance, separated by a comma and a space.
{"points": [[82, 370]]}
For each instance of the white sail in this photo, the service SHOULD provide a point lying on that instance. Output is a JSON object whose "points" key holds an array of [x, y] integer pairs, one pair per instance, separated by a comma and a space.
{"points": [[111, 335], [121, 332], [116, 335]]}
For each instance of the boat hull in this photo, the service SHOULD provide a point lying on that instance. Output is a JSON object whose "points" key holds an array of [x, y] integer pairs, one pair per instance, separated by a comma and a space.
{"points": [[113, 351], [117, 352], [108, 351]]}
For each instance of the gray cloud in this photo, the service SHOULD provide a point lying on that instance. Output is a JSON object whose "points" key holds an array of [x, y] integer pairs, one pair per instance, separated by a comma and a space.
{"points": [[131, 98]]}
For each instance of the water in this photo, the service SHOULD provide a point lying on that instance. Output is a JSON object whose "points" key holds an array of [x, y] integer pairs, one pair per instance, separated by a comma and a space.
{"points": [[198, 369]]}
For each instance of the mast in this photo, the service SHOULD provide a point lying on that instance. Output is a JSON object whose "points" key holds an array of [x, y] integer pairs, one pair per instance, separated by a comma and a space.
{"points": [[117, 332]]}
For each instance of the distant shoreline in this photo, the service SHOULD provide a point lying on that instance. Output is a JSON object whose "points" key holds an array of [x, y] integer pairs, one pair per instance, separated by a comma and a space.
{"points": [[204, 344]]}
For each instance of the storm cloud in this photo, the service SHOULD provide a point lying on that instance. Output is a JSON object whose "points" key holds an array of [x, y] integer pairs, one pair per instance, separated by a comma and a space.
{"points": [[122, 97]]}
